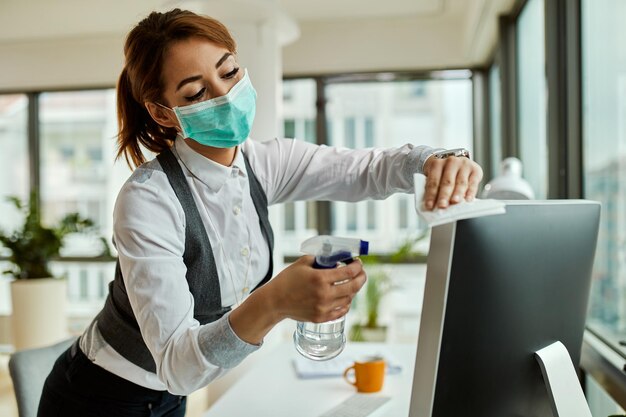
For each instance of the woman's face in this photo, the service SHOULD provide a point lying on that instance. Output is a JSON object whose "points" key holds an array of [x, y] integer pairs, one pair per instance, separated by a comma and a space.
{"points": [[194, 70]]}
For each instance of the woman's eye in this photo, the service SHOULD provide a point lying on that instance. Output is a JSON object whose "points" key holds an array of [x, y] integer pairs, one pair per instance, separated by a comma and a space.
{"points": [[196, 96], [232, 73]]}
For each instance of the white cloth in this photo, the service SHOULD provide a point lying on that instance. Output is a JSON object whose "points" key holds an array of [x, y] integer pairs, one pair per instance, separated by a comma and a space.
{"points": [[149, 235], [454, 212]]}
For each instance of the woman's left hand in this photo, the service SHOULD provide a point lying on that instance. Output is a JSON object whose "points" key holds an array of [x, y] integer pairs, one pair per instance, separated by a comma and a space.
{"points": [[450, 181]]}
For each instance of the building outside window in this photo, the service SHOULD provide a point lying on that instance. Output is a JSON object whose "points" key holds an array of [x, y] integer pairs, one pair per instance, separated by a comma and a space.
{"points": [[532, 106], [296, 221], [376, 114], [77, 140], [437, 113], [14, 180], [604, 165]]}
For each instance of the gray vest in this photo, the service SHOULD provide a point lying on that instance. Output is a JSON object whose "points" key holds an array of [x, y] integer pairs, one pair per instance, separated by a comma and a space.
{"points": [[117, 322]]}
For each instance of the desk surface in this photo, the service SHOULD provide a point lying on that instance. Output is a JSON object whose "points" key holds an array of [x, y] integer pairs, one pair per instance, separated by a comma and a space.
{"points": [[271, 387]]}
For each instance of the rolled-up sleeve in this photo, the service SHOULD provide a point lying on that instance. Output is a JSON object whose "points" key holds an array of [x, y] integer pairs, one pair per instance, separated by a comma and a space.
{"points": [[296, 170], [149, 234]]}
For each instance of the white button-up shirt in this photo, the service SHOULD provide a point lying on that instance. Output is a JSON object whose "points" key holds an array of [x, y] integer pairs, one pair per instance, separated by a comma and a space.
{"points": [[149, 234]]}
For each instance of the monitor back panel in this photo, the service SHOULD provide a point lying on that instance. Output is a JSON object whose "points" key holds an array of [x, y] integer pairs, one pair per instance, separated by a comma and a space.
{"points": [[518, 282]]}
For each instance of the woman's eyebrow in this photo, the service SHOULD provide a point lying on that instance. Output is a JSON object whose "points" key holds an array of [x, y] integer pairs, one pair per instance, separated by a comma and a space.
{"points": [[188, 80], [197, 77], [222, 59]]}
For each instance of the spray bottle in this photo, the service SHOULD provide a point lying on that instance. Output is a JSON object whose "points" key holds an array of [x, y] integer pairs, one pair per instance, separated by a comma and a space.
{"points": [[323, 341]]}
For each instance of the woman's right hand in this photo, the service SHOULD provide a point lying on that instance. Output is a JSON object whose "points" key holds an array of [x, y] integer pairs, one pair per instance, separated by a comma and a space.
{"points": [[303, 293]]}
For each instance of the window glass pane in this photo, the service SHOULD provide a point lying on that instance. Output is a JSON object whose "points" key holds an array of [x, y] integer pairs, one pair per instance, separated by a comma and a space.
{"points": [[371, 215], [351, 217], [311, 215], [299, 109], [532, 96], [437, 113], [289, 128], [14, 166], [309, 131], [403, 213], [299, 115], [78, 173], [604, 150], [495, 120], [290, 216], [369, 132], [350, 133]]}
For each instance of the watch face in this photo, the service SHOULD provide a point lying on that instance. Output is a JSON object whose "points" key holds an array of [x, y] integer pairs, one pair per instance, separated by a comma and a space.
{"points": [[452, 152], [443, 154]]}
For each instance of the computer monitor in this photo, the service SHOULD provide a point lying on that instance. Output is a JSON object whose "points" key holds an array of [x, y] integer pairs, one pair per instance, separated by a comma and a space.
{"points": [[499, 289]]}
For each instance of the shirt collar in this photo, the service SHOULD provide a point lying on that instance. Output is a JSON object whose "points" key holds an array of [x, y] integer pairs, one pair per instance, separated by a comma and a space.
{"points": [[210, 173]]}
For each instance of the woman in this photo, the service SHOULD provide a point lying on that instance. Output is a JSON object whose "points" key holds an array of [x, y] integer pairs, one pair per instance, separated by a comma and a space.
{"points": [[191, 226]]}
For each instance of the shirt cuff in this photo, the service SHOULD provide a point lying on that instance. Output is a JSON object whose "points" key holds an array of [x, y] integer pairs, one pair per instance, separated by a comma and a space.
{"points": [[221, 346], [416, 159]]}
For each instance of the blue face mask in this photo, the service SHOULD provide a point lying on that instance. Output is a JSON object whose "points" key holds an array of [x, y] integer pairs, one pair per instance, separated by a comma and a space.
{"points": [[221, 122]]}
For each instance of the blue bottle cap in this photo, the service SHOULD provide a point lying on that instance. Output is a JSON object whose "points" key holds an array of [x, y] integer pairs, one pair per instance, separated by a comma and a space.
{"points": [[365, 247]]}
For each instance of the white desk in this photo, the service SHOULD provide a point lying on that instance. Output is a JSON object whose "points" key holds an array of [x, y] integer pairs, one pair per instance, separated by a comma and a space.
{"points": [[272, 389]]}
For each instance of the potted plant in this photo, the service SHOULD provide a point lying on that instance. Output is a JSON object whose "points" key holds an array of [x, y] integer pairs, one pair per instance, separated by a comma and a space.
{"points": [[38, 298], [377, 286]]}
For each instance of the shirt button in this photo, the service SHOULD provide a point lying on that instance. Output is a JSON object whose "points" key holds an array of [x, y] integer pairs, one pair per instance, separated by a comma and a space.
{"points": [[236, 210], [245, 251]]}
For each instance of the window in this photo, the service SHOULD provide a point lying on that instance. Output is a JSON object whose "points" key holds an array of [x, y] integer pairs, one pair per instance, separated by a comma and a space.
{"points": [[74, 134], [14, 161], [532, 124], [289, 127], [388, 114], [371, 215], [403, 213], [495, 120], [309, 131], [299, 115], [350, 133], [604, 150], [352, 217], [369, 132], [77, 142], [290, 217]]}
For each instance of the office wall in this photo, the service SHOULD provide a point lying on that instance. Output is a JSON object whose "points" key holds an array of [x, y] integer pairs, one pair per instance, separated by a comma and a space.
{"points": [[61, 63], [464, 36], [370, 45]]}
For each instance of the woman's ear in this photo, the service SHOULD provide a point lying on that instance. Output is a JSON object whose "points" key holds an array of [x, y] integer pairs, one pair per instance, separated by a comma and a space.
{"points": [[164, 117]]}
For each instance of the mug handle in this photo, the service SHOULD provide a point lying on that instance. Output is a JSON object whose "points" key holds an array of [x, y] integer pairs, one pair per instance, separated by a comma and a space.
{"points": [[345, 376]]}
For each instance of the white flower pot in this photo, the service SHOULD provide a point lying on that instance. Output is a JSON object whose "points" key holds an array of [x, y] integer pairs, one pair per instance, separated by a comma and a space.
{"points": [[374, 334], [39, 312]]}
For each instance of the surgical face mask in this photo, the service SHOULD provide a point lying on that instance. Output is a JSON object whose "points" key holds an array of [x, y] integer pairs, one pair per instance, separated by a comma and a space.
{"points": [[221, 122]]}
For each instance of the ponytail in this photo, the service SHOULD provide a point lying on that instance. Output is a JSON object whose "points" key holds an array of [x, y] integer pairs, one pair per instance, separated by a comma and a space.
{"points": [[136, 127]]}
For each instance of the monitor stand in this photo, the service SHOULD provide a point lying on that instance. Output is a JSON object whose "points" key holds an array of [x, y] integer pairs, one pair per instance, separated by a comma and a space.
{"points": [[562, 382]]}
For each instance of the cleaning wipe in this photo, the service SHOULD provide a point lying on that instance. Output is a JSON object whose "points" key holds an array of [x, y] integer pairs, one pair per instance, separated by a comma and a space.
{"points": [[454, 212]]}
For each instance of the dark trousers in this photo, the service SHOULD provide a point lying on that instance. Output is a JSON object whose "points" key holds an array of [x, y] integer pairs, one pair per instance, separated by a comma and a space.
{"points": [[76, 387]]}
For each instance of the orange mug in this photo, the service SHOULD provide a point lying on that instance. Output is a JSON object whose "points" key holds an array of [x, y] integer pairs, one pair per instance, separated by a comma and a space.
{"points": [[369, 374]]}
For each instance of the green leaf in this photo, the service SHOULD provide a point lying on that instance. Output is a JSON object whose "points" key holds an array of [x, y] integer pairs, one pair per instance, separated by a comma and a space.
{"points": [[33, 245]]}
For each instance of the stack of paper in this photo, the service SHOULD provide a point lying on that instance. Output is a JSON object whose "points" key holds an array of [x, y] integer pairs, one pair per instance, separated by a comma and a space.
{"points": [[306, 368], [460, 211]]}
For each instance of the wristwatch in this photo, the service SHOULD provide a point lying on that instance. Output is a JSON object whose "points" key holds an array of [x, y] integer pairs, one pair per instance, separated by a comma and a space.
{"points": [[460, 152]]}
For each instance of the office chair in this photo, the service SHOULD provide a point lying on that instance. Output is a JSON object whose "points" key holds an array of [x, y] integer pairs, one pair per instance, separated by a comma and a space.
{"points": [[29, 369]]}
